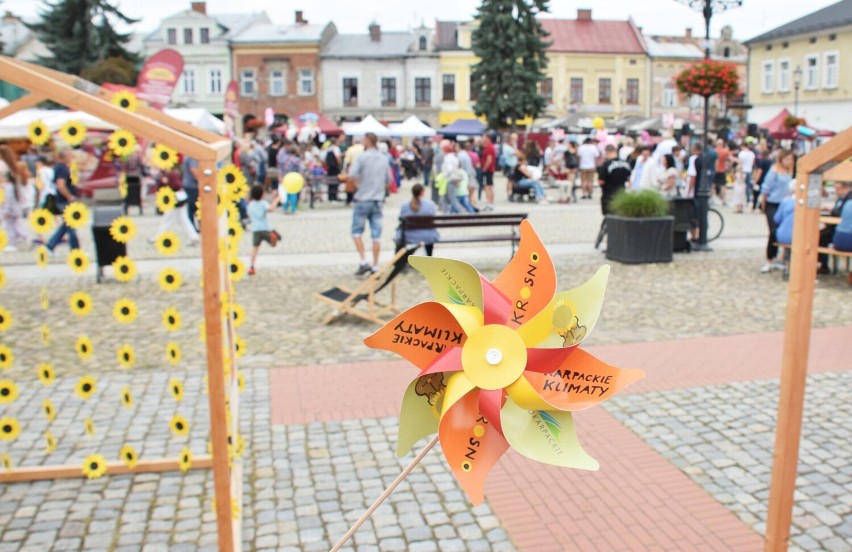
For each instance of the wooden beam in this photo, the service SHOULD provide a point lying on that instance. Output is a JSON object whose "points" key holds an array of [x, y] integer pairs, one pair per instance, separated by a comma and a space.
{"points": [[67, 95], [23, 102], [842, 171], [42, 473], [838, 148]]}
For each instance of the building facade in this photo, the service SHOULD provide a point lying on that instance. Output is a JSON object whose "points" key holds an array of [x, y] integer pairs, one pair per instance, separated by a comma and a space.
{"points": [[453, 42], [203, 41], [390, 75], [804, 58]]}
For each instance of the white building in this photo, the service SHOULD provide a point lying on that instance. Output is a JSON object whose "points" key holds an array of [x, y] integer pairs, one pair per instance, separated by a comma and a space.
{"points": [[390, 75], [203, 41]]}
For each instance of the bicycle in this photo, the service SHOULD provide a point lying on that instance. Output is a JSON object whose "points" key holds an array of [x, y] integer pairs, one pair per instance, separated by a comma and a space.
{"points": [[715, 225]]}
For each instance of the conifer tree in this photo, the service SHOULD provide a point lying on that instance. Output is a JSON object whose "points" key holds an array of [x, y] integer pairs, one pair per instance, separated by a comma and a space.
{"points": [[81, 33], [510, 44]]}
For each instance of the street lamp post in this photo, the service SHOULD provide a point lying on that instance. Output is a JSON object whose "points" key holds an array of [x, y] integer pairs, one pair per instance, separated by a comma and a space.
{"points": [[797, 82]]}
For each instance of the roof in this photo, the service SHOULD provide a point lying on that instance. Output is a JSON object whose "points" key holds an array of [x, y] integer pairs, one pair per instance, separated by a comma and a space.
{"points": [[267, 32], [594, 36], [833, 16], [231, 23], [446, 35], [391, 44], [662, 47]]}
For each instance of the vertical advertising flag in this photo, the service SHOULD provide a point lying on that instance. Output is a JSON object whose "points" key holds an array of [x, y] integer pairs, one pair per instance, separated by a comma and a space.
{"points": [[158, 77]]}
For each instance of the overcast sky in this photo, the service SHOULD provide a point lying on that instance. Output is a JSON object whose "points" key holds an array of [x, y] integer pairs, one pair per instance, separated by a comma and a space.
{"points": [[654, 16]]}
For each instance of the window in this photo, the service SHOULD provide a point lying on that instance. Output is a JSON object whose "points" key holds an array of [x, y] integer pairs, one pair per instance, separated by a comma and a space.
{"points": [[604, 91], [187, 36], [388, 91], [422, 44], [248, 84], [832, 70], [669, 96], [547, 90], [188, 81], [350, 92], [205, 36], [576, 91], [784, 75], [632, 92], [215, 82], [171, 35], [768, 77], [422, 91], [306, 82], [811, 72], [449, 88], [726, 52], [277, 83]]}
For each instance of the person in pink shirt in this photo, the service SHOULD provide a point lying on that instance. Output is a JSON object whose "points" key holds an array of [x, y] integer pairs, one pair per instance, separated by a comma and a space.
{"points": [[488, 162]]}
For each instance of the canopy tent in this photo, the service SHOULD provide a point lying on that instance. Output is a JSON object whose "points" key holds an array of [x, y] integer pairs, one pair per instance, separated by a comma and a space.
{"points": [[412, 127], [574, 123], [368, 124], [17, 124], [777, 129], [317, 120], [197, 117], [91, 122], [464, 127]]}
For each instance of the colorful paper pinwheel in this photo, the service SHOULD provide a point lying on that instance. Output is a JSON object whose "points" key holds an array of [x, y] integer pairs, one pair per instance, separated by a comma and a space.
{"points": [[500, 363]]}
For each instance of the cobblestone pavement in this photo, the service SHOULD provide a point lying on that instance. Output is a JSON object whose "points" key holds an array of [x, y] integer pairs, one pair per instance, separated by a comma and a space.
{"points": [[723, 437], [306, 483]]}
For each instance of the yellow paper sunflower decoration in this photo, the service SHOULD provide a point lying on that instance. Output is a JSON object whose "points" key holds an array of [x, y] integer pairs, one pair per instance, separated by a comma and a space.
{"points": [[5, 319], [122, 184], [241, 381], [4, 239], [94, 466], [89, 427], [83, 347], [76, 215], [9, 429], [46, 374], [49, 442], [176, 389], [86, 387], [122, 229], [126, 357], [41, 256], [45, 334], [49, 410], [38, 133], [185, 459], [74, 169], [173, 353], [125, 311], [179, 425], [73, 133], [124, 269], [45, 299], [126, 398], [8, 391], [6, 461], [167, 243], [202, 331], [80, 303], [122, 143], [230, 175], [128, 455], [125, 99], [238, 314], [7, 357], [239, 347], [164, 157], [41, 221], [171, 319], [78, 261], [236, 270], [166, 199], [2, 278], [170, 279]]}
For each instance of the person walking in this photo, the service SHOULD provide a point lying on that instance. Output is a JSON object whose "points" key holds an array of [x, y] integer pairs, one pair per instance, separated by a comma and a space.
{"points": [[66, 192], [745, 161], [775, 189], [720, 182], [189, 182], [371, 175], [12, 178], [613, 176], [179, 215], [489, 164], [588, 154]]}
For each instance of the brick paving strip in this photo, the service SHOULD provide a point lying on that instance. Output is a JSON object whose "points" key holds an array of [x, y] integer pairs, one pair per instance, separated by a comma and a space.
{"points": [[639, 500]]}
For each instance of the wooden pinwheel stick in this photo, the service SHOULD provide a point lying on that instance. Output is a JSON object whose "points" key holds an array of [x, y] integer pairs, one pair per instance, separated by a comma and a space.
{"points": [[387, 492]]}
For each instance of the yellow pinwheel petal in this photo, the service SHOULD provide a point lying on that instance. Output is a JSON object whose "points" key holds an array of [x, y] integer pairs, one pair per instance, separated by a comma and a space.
{"points": [[458, 385]]}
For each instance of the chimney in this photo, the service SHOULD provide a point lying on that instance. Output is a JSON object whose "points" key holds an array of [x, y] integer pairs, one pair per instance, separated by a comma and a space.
{"points": [[584, 14], [200, 7], [375, 32], [689, 33], [300, 18], [9, 17]]}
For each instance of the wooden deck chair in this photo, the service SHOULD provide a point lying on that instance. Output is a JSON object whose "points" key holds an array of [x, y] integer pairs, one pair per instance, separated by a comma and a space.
{"points": [[346, 302]]}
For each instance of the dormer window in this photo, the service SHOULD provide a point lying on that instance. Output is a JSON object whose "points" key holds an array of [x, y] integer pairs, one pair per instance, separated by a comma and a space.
{"points": [[422, 44]]}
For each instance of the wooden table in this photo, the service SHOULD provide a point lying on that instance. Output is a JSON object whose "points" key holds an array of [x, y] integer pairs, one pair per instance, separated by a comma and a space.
{"points": [[829, 220]]}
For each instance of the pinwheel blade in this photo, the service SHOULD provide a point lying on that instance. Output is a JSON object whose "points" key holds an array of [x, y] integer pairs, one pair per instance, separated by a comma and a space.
{"points": [[496, 307], [569, 317], [421, 411], [546, 436], [529, 280], [452, 281], [471, 445]]}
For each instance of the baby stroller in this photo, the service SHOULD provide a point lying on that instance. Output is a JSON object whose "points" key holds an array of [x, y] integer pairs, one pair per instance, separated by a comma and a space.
{"points": [[409, 166]]}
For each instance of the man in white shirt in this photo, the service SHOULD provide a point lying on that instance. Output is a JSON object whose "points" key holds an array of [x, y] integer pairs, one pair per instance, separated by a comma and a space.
{"points": [[588, 154], [692, 170], [745, 158]]}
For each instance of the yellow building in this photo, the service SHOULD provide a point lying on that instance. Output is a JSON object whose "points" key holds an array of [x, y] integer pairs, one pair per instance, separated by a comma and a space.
{"points": [[453, 42], [799, 66]]}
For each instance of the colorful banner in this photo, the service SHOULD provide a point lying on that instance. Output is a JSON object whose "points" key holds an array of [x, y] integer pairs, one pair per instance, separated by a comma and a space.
{"points": [[158, 77], [232, 95]]}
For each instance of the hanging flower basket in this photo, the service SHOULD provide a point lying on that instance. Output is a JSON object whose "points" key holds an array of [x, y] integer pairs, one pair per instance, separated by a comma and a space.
{"points": [[709, 77]]}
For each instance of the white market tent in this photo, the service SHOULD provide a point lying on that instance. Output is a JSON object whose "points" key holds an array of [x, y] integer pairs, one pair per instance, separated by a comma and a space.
{"points": [[368, 124], [412, 127], [55, 122], [197, 117], [17, 124]]}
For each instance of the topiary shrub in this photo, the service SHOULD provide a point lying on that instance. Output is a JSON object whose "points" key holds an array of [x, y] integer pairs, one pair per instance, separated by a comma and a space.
{"points": [[642, 204]]}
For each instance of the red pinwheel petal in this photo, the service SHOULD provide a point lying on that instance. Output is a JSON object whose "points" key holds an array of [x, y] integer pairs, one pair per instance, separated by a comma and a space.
{"points": [[496, 307], [490, 403], [471, 445], [529, 280], [581, 381], [448, 361], [420, 334], [545, 361]]}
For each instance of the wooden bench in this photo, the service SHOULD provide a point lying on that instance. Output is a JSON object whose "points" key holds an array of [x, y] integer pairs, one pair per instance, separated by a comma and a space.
{"points": [[510, 222], [832, 252]]}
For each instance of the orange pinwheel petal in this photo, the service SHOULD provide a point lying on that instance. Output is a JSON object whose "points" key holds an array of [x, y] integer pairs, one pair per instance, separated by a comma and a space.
{"points": [[420, 334], [529, 280], [581, 381], [471, 445]]}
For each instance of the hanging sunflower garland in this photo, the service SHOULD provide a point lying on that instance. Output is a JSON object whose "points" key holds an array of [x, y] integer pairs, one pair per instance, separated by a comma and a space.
{"points": [[167, 243], [122, 143], [124, 269], [94, 466], [83, 347], [38, 133], [236, 270], [126, 398], [125, 99], [7, 357], [185, 461], [41, 221], [5, 319], [9, 429], [80, 303], [89, 427], [170, 279], [6, 461], [46, 374], [73, 133], [164, 157], [86, 387], [128, 455], [125, 311], [48, 409], [41, 256], [166, 199], [179, 426], [171, 319], [50, 443], [44, 299], [76, 215], [122, 229], [176, 389], [237, 313], [173, 353], [45, 334], [239, 347], [126, 357], [241, 382], [2, 278], [8, 391], [4, 239], [78, 261]]}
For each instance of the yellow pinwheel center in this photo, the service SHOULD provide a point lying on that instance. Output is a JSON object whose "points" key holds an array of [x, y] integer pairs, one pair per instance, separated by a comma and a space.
{"points": [[493, 357]]}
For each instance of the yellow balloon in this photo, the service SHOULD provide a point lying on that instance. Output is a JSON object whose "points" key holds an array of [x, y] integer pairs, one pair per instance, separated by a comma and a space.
{"points": [[293, 182], [598, 123]]}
